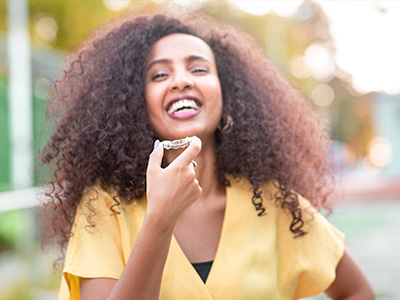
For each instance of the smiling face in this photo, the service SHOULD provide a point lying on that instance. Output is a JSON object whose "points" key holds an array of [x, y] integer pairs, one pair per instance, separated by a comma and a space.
{"points": [[182, 88]]}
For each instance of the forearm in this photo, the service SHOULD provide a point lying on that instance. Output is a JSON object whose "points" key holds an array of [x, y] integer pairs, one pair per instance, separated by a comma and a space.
{"points": [[141, 278], [356, 297], [350, 282], [360, 295]]}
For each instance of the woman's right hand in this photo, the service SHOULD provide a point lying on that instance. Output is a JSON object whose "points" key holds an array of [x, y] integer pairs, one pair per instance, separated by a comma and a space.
{"points": [[172, 189], [169, 192]]}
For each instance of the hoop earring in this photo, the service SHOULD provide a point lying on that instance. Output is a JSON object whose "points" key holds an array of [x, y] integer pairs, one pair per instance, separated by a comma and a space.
{"points": [[226, 124]]}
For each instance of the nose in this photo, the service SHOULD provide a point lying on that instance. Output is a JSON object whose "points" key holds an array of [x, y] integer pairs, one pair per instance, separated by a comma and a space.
{"points": [[181, 82]]}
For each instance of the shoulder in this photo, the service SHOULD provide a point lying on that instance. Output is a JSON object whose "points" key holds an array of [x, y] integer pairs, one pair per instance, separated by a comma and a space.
{"points": [[316, 225], [315, 255], [98, 199], [100, 207], [95, 202]]}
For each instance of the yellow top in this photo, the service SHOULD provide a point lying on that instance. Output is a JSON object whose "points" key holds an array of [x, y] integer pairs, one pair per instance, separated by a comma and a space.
{"points": [[257, 257]]}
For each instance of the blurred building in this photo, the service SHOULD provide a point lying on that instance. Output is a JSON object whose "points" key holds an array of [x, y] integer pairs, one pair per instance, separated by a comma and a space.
{"points": [[385, 148]]}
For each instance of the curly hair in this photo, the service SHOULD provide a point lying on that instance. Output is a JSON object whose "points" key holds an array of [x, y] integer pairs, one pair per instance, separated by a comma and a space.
{"points": [[103, 135]]}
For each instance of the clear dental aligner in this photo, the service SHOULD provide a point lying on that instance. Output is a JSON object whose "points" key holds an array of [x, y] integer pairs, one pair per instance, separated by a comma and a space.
{"points": [[176, 144]]}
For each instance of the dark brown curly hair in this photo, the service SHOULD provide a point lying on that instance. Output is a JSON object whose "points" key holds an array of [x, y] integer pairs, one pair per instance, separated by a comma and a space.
{"points": [[103, 136]]}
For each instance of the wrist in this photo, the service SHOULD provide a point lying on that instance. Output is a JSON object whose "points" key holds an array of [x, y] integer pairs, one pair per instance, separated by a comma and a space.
{"points": [[157, 222]]}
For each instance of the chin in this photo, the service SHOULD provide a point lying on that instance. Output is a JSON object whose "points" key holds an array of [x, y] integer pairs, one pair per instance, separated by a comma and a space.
{"points": [[174, 136]]}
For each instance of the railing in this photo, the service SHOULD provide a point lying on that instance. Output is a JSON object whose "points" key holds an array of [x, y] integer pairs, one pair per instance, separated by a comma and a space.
{"points": [[19, 199]]}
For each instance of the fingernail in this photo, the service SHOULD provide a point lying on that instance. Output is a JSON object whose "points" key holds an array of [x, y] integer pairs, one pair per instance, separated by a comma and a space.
{"points": [[156, 143]]}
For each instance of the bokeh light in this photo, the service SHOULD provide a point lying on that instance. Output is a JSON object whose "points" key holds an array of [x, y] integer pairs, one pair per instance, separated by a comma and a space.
{"points": [[282, 8], [46, 32], [116, 5], [380, 152], [323, 95], [320, 61], [298, 67], [41, 87], [183, 4]]}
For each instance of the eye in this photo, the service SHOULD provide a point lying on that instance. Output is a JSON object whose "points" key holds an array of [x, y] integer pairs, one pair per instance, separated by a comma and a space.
{"points": [[159, 76], [199, 70]]}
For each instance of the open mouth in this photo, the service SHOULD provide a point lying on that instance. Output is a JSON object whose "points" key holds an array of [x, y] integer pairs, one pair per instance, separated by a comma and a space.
{"points": [[183, 105]]}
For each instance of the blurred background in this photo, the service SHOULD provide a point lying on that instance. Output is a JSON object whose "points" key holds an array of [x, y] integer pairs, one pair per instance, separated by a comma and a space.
{"points": [[343, 55]]}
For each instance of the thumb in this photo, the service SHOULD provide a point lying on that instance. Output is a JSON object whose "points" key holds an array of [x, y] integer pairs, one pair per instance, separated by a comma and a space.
{"points": [[190, 153], [156, 156]]}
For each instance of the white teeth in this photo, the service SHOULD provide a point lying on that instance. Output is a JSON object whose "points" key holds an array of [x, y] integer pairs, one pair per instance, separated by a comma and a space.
{"points": [[183, 105]]}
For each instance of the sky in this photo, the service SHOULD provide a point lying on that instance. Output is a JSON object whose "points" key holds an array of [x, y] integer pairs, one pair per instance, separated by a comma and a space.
{"points": [[365, 34]]}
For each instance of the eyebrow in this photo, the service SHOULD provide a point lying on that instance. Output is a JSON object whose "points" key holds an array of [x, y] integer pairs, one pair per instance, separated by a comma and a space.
{"points": [[167, 61]]}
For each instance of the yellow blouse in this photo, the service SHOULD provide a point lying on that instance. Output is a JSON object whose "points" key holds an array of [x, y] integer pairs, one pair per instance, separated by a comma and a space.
{"points": [[257, 257]]}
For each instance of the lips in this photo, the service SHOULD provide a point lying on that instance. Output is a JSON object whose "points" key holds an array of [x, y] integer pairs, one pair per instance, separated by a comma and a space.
{"points": [[183, 106]]}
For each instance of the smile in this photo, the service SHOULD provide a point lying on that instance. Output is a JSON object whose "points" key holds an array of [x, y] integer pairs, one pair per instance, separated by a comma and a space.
{"points": [[183, 105]]}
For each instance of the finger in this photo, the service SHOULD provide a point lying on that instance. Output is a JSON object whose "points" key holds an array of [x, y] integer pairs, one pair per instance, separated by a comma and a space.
{"points": [[199, 188], [190, 153], [156, 157]]}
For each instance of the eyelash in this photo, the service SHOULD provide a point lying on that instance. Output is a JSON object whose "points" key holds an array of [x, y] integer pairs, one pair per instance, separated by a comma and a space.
{"points": [[161, 75], [196, 70], [200, 70]]}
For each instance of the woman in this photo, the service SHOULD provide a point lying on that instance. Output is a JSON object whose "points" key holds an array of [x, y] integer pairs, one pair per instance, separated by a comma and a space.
{"points": [[220, 219]]}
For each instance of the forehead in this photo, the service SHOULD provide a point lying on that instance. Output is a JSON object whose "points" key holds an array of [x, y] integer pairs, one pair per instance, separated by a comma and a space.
{"points": [[180, 45]]}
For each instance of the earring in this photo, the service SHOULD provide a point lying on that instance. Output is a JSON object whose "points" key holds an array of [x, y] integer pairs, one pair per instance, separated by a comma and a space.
{"points": [[226, 124]]}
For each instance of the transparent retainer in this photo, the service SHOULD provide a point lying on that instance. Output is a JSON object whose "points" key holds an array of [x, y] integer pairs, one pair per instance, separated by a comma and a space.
{"points": [[177, 144]]}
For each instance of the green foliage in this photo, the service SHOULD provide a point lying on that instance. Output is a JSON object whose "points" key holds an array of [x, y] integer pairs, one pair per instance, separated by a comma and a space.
{"points": [[11, 226], [18, 291], [75, 18], [4, 140], [3, 15], [41, 135]]}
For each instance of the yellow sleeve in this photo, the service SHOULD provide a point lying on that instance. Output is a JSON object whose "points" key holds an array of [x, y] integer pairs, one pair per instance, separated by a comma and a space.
{"points": [[95, 248], [320, 251]]}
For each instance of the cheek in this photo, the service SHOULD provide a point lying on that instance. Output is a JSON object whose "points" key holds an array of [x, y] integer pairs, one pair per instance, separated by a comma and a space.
{"points": [[216, 105], [151, 99], [212, 87], [151, 112], [217, 95]]}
